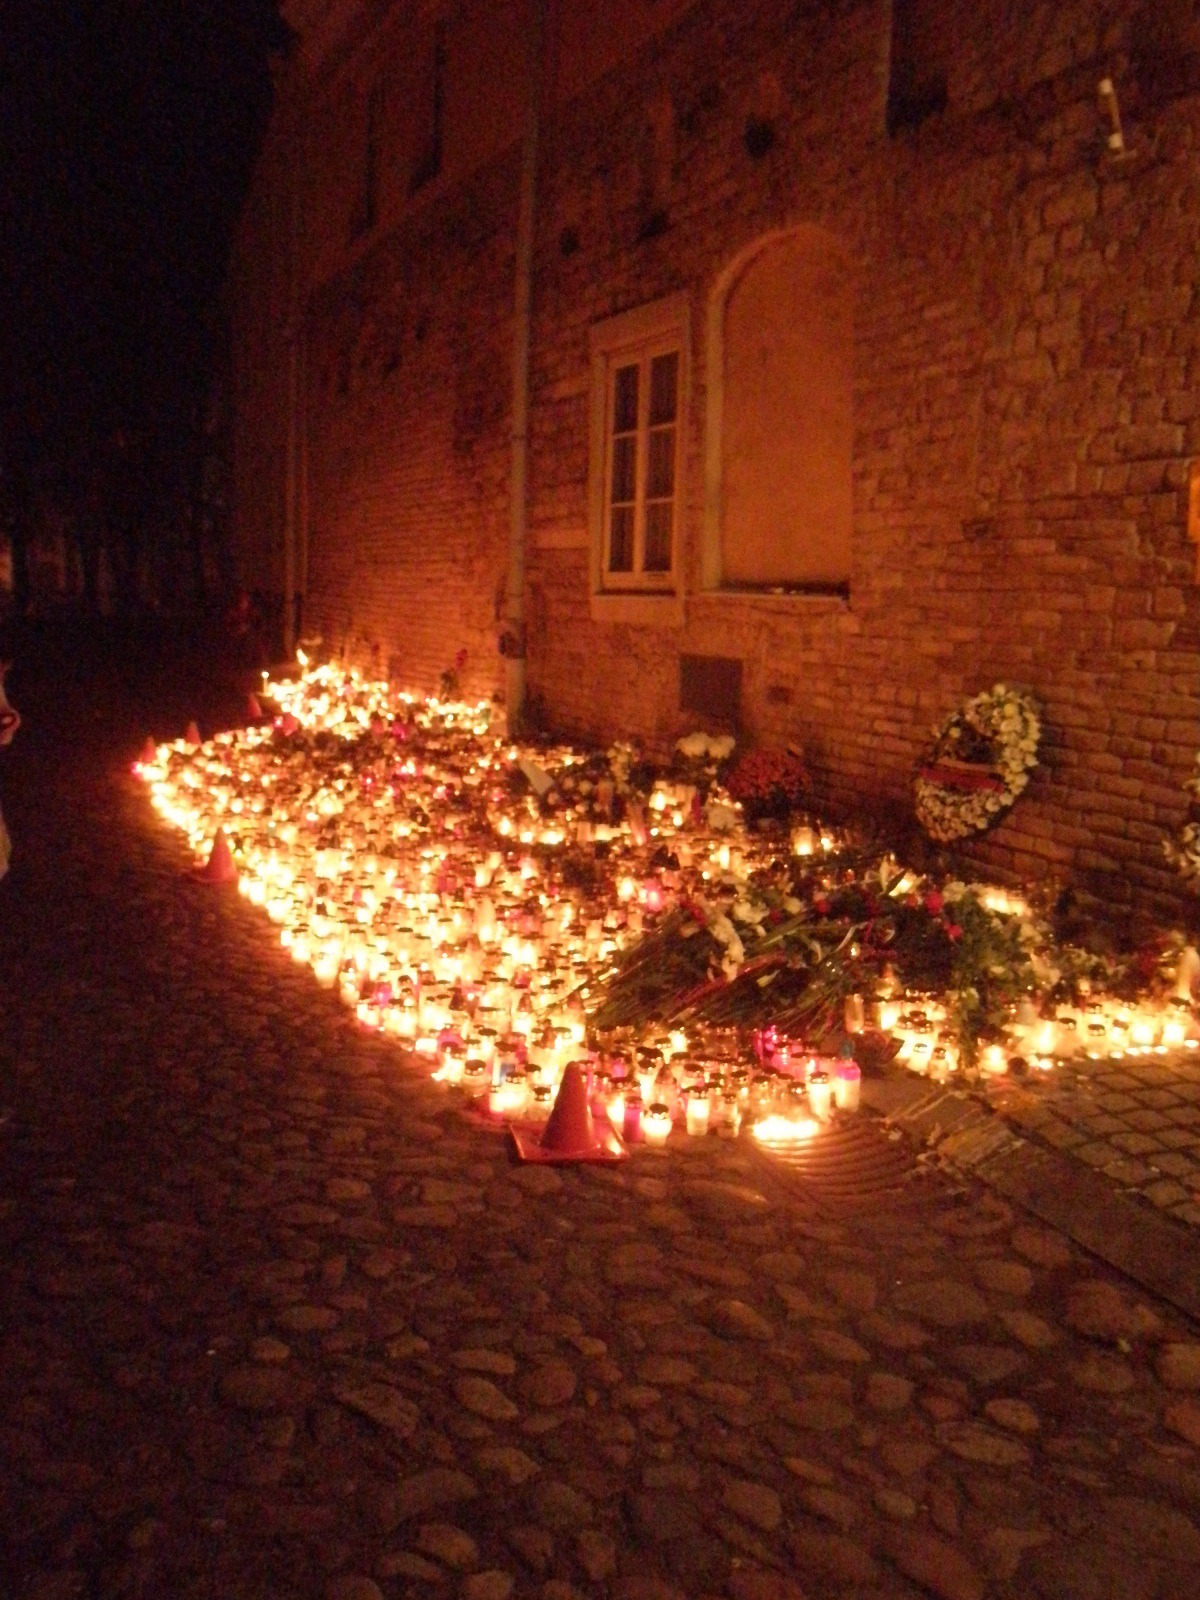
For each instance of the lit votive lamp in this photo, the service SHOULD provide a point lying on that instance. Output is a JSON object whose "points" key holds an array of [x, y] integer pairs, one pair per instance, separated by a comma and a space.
{"points": [[326, 968], [656, 1124], [676, 1044], [777, 1129], [476, 1071], [847, 1086], [1095, 1033], [994, 1060], [920, 1050], [1066, 1030], [451, 1069], [889, 1015], [508, 1097], [943, 1059], [698, 1110], [1175, 1027], [820, 1094], [1045, 1038], [615, 1106], [631, 1124], [541, 1101]]}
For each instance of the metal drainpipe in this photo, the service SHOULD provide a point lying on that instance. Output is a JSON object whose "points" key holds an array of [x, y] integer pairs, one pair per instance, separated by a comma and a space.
{"points": [[292, 467], [513, 642], [289, 498], [301, 600]]}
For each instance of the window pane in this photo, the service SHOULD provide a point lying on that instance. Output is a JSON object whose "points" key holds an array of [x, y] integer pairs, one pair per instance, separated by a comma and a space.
{"points": [[624, 470], [662, 464], [664, 381], [620, 549], [659, 516], [625, 400]]}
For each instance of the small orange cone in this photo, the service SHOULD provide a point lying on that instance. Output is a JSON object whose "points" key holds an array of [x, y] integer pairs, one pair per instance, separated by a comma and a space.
{"points": [[192, 735], [220, 866], [149, 753], [253, 709], [570, 1134]]}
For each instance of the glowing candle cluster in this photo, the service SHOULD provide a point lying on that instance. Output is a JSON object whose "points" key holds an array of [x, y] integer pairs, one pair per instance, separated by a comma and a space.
{"points": [[407, 854], [468, 897]]}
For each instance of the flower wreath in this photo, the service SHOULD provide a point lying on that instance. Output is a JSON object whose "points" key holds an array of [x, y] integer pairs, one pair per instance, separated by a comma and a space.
{"points": [[980, 762], [1182, 848]]}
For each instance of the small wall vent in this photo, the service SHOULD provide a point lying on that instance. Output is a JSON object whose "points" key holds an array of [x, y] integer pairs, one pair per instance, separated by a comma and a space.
{"points": [[710, 689]]}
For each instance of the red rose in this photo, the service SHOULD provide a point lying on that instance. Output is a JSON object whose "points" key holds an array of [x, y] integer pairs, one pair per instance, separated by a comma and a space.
{"points": [[934, 902], [953, 931]]}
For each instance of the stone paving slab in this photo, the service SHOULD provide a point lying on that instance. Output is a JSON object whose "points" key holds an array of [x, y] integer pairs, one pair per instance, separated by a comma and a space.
{"points": [[1137, 1121], [276, 1319]]}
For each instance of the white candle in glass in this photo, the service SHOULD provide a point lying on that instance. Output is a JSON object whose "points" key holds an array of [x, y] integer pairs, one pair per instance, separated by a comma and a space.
{"points": [[820, 1094], [656, 1124], [698, 1109]]}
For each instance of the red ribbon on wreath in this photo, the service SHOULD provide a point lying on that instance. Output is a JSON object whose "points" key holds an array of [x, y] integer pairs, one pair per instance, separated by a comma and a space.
{"points": [[962, 776]]}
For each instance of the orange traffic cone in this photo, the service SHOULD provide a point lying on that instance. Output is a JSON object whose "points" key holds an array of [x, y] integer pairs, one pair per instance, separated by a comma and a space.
{"points": [[220, 866], [253, 708], [192, 734], [570, 1134], [149, 753]]}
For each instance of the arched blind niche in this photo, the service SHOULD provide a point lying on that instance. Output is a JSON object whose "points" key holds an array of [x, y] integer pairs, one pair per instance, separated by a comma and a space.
{"points": [[786, 416]]}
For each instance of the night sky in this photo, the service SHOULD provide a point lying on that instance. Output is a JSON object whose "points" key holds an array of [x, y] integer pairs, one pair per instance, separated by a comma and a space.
{"points": [[127, 133]]}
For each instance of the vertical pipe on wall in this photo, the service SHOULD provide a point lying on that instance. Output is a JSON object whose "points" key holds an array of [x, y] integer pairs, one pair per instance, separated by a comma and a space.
{"points": [[293, 467], [291, 474], [302, 469], [514, 612]]}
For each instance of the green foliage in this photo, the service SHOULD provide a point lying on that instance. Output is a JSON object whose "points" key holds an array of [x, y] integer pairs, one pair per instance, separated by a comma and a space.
{"points": [[788, 948]]}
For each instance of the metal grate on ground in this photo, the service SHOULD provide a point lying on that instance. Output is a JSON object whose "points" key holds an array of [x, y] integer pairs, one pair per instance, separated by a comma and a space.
{"points": [[850, 1164]]}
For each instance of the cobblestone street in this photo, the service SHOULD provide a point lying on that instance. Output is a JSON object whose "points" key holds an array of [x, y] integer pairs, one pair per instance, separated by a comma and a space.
{"points": [[278, 1320]]}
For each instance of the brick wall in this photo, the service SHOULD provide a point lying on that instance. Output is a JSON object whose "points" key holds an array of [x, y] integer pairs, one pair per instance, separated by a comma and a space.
{"points": [[408, 450], [1025, 410]]}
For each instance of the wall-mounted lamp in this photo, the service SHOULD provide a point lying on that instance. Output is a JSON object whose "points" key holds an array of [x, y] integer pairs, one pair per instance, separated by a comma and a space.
{"points": [[1108, 105]]}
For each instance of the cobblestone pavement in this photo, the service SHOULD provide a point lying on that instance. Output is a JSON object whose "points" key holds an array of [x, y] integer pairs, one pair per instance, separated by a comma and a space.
{"points": [[277, 1320], [1137, 1121]]}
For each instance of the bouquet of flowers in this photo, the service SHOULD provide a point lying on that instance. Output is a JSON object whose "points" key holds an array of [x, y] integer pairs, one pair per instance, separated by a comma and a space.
{"points": [[700, 759], [769, 783]]}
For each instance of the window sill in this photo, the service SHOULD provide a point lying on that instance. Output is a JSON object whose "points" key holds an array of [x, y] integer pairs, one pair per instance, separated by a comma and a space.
{"points": [[779, 599], [638, 610]]}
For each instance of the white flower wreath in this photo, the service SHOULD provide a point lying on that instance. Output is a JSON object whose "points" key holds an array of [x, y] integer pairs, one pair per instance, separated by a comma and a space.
{"points": [[1182, 848], [1005, 720]]}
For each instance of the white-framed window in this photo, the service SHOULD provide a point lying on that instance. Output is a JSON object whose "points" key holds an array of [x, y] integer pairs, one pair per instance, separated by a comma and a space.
{"points": [[641, 469], [638, 395]]}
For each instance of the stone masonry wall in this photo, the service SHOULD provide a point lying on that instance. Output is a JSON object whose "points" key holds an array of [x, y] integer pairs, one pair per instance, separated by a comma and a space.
{"points": [[408, 446], [1026, 363]]}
